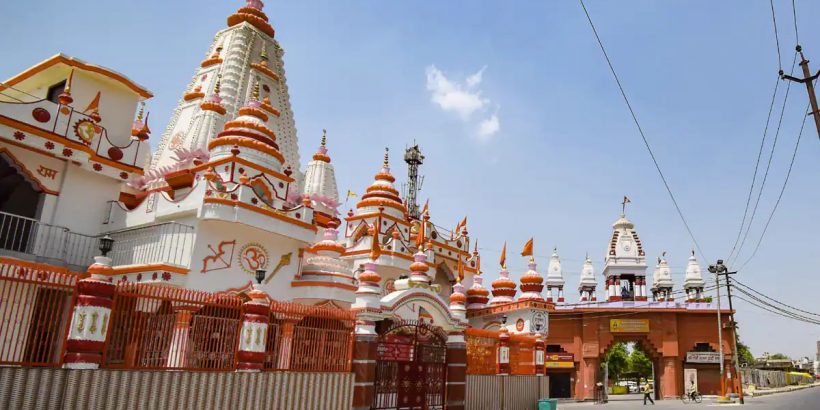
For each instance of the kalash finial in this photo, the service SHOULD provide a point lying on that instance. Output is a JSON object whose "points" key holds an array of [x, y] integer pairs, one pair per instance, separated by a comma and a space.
{"points": [[141, 112], [218, 85], [386, 157], [256, 90], [324, 137]]}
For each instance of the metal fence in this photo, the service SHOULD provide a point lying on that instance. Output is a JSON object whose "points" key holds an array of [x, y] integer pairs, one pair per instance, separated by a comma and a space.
{"points": [[309, 338], [35, 309], [21, 236], [154, 327], [167, 242], [482, 353]]}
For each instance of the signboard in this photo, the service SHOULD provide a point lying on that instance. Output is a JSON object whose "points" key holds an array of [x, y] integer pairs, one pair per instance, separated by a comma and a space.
{"points": [[539, 357], [560, 361], [503, 354], [702, 357], [629, 325]]}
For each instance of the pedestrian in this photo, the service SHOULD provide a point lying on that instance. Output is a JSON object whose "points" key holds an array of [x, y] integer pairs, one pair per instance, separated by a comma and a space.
{"points": [[647, 392]]}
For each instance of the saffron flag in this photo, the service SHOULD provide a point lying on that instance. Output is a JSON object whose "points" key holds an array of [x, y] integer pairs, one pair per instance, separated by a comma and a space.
{"points": [[503, 259], [375, 249], [94, 105], [527, 251]]}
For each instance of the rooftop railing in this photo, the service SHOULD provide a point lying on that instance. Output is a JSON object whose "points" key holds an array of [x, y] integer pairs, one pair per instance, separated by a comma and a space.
{"points": [[31, 239], [167, 242]]}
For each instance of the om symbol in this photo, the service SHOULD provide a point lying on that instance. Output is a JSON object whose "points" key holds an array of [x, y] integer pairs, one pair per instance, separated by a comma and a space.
{"points": [[252, 257]]}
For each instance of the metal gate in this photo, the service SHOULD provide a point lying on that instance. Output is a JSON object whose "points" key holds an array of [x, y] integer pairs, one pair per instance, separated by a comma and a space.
{"points": [[411, 367]]}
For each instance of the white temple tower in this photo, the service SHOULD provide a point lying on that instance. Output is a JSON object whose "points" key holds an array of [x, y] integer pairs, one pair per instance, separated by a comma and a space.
{"points": [[587, 286], [240, 56], [662, 284], [625, 263], [693, 281], [555, 278]]}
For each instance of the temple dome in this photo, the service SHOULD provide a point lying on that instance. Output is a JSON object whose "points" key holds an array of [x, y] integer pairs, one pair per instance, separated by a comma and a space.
{"points": [[694, 277], [555, 274], [588, 273]]}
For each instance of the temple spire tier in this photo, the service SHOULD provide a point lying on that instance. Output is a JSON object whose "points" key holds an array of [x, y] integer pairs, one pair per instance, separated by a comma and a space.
{"points": [[693, 282], [587, 284], [555, 278], [320, 182]]}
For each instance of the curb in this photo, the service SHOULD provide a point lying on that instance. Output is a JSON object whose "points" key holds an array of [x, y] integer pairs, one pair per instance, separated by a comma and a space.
{"points": [[758, 393]]}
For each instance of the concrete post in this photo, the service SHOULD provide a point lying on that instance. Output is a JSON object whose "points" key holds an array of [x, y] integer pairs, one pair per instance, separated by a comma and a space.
{"points": [[456, 370], [91, 317]]}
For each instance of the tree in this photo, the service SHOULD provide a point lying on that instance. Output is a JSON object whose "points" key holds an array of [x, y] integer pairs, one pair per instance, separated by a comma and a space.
{"points": [[745, 355], [777, 356], [617, 360], [640, 364]]}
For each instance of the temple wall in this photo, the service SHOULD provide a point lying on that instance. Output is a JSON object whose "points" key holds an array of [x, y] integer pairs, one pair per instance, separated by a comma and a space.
{"points": [[41, 388]]}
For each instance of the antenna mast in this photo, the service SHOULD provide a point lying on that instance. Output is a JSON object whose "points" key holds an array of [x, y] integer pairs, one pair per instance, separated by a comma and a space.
{"points": [[413, 158]]}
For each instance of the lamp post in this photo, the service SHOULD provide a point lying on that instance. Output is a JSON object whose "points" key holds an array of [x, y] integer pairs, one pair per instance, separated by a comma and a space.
{"points": [[106, 244], [260, 276]]}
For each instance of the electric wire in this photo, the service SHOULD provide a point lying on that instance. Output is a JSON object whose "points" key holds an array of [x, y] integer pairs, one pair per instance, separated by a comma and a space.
{"points": [[776, 37], [796, 31], [741, 284], [757, 166], [768, 166], [640, 130], [774, 311], [777, 308]]}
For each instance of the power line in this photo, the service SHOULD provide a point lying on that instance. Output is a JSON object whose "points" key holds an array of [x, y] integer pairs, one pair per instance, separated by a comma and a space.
{"points": [[774, 311], [768, 165], [776, 37], [757, 164], [778, 308], [640, 130], [737, 282], [796, 32]]}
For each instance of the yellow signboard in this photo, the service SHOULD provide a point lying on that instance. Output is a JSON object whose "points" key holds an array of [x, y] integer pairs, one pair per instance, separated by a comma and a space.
{"points": [[629, 325], [553, 365]]}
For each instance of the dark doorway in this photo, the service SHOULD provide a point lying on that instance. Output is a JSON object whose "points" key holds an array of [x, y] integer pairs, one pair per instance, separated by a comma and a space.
{"points": [[560, 387]]}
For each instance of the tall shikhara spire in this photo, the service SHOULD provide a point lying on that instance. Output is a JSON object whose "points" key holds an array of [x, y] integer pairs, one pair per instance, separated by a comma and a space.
{"points": [[241, 56]]}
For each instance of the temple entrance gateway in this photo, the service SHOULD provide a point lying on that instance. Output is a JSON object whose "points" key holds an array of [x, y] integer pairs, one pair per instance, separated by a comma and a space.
{"points": [[411, 366]]}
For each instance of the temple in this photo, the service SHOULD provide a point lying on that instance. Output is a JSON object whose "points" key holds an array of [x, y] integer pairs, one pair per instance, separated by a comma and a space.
{"points": [[221, 250]]}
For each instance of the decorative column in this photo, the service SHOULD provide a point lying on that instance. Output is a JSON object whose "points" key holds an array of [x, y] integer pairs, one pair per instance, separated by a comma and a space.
{"points": [[286, 341], [504, 352], [177, 356], [91, 316], [253, 337], [540, 348], [456, 369], [365, 350], [560, 294]]}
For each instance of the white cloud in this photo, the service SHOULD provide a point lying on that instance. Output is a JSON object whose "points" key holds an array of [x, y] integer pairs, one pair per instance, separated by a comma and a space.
{"points": [[464, 99], [488, 127]]}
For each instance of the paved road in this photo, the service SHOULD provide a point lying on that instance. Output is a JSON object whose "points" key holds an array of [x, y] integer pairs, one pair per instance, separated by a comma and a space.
{"points": [[806, 399]]}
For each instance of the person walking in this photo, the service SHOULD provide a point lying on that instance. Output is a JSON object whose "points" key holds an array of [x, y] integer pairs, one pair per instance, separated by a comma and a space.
{"points": [[647, 393]]}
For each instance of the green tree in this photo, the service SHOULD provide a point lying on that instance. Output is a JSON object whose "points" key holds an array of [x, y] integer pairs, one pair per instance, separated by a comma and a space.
{"points": [[640, 364], [776, 356], [617, 360], [745, 355]]}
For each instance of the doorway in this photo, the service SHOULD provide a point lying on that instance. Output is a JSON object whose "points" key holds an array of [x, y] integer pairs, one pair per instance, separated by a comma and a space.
{"points": [[560, 386]]}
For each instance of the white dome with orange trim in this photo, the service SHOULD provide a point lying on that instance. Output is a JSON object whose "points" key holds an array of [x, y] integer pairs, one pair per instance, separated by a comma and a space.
{"points": [[382, 193]]}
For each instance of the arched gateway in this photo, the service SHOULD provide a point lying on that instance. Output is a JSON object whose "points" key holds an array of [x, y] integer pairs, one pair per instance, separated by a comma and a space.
{"points": [[411, 365]]}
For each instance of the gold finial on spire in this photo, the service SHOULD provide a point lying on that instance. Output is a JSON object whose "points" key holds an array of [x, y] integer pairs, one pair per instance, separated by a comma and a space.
{"points": [[324, 137], [256, 89], [386, 157], [218, 84], [68, 82], [263, 55], [141, 111]]}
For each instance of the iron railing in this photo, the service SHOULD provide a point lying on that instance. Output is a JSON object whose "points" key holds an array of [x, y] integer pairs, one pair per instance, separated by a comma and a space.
{"points": [[21, 236], [167, 242]]}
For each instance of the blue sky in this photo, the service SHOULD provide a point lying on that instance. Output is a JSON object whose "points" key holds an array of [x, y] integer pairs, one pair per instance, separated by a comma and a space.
{"points": [[558, 149]]}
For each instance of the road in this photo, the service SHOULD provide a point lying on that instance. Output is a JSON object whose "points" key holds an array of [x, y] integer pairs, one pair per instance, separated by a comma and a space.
{"points": [[806, 399]]}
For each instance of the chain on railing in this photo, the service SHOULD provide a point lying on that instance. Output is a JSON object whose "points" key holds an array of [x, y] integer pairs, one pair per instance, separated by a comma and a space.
{"points": [[49, 243], [168, 242], [35, 309]]}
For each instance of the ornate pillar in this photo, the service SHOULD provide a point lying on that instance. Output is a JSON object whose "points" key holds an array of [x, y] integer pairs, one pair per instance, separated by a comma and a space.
{"points": [[456, 370], [91, 316], [504, 352], [540, 347], [177, 356], [253, 337], [365, 354]]}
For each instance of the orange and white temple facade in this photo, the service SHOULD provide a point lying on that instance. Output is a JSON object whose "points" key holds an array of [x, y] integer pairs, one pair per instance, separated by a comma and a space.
{"points": [[226, 206]]}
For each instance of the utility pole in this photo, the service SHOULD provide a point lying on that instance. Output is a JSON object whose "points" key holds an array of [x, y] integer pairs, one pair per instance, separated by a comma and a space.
{"points": [[720, 269], [413, 158], [808, 80], [713, 269]]}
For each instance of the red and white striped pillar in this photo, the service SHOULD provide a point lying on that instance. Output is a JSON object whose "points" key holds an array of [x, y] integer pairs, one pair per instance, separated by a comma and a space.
{"points": [[365, 355], [456, 369], [254, 334], [91, 317], [504, 352]]}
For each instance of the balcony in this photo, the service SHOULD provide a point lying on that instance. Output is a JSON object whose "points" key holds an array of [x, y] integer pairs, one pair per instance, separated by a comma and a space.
{"points": [[27, 238], [30, 239]]}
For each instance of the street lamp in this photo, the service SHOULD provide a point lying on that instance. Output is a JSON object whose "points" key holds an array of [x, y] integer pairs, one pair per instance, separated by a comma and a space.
{"points": [[260, 276], [106, 243]]}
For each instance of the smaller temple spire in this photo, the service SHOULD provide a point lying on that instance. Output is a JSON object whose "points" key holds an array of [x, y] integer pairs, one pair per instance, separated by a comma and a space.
{"points": [[531, 282], [693, 281], [588, 284], [555, 277], [503, 287]]}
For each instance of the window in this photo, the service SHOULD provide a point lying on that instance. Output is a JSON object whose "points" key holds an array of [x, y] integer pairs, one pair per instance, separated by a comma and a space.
{"points": [[703, 347], [554, 349], [54, 91]]}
